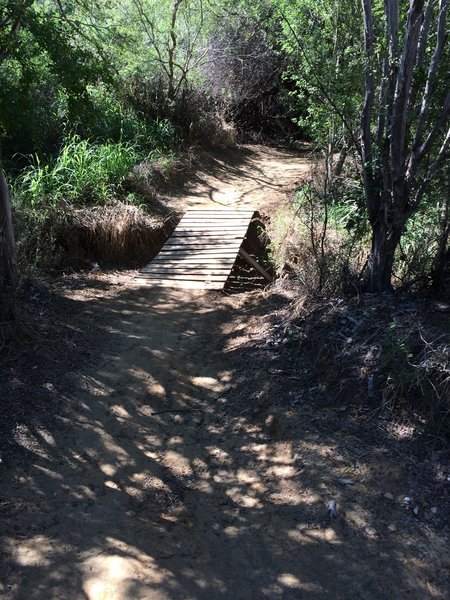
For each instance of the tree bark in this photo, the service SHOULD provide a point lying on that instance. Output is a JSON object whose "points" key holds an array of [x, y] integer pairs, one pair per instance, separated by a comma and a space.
{"points": [[377, 276], [8, 268]]}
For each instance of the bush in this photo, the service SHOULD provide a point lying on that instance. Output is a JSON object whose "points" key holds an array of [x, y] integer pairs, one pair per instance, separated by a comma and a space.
{"points": [[83, 173], [54, 199], [320, 239], [416, 254]]}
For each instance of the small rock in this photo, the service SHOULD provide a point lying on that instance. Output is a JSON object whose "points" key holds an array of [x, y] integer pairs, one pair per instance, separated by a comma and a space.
{"points": [[345, 480], [389, 496], [416, 510], [406, 500], [371, 531], [434, 510], [343, 407], [332, 508], [392, 528]]}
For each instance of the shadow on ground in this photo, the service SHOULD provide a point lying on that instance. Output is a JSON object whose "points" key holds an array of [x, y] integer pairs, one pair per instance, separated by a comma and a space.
{"points": [[160, 475]]}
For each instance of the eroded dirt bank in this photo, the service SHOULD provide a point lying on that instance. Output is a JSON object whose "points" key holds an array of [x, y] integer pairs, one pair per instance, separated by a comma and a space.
{"points": [[185, 461]]}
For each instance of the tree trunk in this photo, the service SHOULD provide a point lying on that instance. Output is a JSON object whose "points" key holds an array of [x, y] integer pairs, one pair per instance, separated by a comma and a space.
{"points": [[378, 272], [8, 268]]}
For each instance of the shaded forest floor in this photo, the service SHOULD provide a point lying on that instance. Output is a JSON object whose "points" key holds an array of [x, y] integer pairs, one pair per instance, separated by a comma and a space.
{"points": [[224, 492]]}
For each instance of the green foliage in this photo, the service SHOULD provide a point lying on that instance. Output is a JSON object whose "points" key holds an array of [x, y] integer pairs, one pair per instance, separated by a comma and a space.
{"points": [[109, 117], [321, 239], [83, 173], [417, 249], [324, 74], [45, 68]]}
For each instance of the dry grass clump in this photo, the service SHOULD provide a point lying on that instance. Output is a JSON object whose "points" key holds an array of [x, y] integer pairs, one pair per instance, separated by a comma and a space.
{"points": [[151, 178], [321, 238], [117, 233], [217, 133]]}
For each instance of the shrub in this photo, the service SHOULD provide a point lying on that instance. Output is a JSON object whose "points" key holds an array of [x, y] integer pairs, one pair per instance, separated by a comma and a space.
{"points": [[83, 173], [320, 240], [54, 200]]}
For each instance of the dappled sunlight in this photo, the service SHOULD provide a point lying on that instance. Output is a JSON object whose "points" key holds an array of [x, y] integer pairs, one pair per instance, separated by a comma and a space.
{"points": [[161, 483]]}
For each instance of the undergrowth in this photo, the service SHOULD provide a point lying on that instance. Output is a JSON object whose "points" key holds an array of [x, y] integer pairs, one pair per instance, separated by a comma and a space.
{"points": [[51, 195], [83, 173], [322, 238], [390, 350], [386, 355]]}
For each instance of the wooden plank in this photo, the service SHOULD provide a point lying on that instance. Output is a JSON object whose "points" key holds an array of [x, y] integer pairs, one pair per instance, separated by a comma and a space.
{"points": [[175, 276], [213, 230], [242, 229], [217, 215], [213, 220], [194, 260], [255, 265], [229, 250], [195, 257], [201, 248], [220, 209], [213, 259], [200, 269], [188, 273], [217, 221], [185, 248], [211, 234], [191, 262], [190, 285], [220, 212], [202, 240], [202, 243], [207, 235]]}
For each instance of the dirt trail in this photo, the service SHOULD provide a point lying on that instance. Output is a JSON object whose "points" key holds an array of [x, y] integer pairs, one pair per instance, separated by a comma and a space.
{"points": [[160, 481], [255, 176]]}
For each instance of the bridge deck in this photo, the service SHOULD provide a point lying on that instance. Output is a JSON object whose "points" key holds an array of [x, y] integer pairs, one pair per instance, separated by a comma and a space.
{"points": [[202, 250]]}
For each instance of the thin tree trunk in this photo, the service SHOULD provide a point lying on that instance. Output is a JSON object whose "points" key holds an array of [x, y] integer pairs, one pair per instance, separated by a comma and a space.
{"points": [[172, 45], [8, 268]]}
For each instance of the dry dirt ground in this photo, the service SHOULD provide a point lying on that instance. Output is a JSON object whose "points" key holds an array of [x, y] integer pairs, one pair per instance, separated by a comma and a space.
{"points": [[173, 453]]}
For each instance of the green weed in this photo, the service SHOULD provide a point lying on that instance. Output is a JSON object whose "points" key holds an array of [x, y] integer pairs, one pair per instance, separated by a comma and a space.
{"points": [[84, 173]]}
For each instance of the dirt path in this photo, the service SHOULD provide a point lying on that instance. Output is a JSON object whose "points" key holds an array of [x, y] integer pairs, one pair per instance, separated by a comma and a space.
{"points": [[249, 175], [166, 477]]}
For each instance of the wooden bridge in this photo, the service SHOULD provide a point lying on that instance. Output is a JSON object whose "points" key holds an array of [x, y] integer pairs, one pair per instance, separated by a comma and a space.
{"points": [[202, 250]]}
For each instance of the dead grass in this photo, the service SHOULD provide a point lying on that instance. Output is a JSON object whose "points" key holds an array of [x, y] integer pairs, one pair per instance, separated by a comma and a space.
{"points": [[119, 233]]}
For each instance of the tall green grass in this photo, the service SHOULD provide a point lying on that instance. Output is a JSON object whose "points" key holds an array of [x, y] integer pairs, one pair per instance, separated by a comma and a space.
{"points": [[84, 173]]}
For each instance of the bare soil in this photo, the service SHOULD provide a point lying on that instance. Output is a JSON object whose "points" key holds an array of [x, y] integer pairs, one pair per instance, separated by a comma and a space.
{"points": [[165, 444]]}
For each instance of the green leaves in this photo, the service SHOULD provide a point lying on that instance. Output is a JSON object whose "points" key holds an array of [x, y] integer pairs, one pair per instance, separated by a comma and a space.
{"points": [[84, 173]]}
